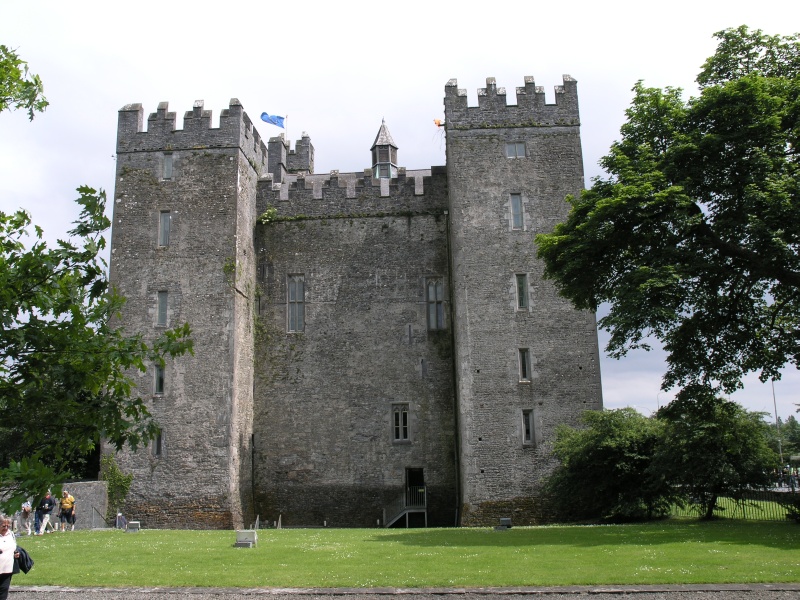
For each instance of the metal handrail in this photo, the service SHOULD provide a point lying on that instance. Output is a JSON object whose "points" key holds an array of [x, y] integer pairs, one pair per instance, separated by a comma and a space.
{"points": [[413, 498], [394, 510], [101, 516], [416, 497]]}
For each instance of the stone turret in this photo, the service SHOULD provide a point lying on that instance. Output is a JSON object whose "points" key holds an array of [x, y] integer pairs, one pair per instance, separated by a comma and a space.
{"points": [[384, 154]]}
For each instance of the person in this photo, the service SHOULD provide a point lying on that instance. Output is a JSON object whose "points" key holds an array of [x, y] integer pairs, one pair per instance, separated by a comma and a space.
{"points": [[8, 552], [46, 507], [37, 521], [25, 518], [67, 514]]}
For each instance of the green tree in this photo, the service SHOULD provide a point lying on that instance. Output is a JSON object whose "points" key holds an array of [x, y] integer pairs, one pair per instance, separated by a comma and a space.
{"points": [[693, 238], [18, 87], [65, 367], [790, 436], [605, 469], [712, 447]]}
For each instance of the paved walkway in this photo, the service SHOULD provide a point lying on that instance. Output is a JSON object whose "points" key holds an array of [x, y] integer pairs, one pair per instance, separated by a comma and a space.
{"points": [[646, 592]]}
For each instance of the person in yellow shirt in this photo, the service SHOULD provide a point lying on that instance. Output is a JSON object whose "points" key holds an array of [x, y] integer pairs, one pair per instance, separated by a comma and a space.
{"points": [[67, 510]]}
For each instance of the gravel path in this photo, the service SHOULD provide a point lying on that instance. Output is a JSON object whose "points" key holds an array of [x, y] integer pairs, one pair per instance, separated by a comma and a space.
{"points": [[677, 592]]}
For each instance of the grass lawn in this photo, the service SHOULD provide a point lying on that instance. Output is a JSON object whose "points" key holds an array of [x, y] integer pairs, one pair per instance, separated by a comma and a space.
{"points": [[675, 551]]}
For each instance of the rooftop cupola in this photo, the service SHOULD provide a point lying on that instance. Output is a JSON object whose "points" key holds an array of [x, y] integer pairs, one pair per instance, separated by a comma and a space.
{"points": [[384, 154]]}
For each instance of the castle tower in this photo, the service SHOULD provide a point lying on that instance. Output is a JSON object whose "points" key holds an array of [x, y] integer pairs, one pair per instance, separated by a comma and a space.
{"points": [[182, 251], [384, 154], [301, 159], [525, 360], [283, 161]]}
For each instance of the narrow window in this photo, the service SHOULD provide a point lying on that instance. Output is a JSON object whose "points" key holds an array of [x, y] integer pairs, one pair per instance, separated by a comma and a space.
{"points": [[435, 299], [158, 444], [161, 309], [158, 384], [261, 272], [522, 291], [515, 149], [164, 219], [296, 302], [168, 166], [516, 211], [400, 422], [527, 428], [524, 364]]}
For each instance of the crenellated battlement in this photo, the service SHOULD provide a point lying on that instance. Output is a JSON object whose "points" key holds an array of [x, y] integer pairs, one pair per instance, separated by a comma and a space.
{"points": [[349, 194], [493, 110], [235, 131]]}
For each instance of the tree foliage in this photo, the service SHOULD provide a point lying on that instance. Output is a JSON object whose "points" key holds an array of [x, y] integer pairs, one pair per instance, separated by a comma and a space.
{"points": [[693, 238], [713, 447], [790, 431], [605, 468], [623, 465], [65, 366], [785, 438], [18, 87]]}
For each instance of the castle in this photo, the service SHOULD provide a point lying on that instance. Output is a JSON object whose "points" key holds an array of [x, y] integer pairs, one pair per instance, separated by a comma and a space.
{"points": [[371, 349]]}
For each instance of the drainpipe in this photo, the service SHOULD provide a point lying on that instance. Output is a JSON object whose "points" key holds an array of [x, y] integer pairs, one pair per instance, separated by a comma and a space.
{"points": [[457, 437]]}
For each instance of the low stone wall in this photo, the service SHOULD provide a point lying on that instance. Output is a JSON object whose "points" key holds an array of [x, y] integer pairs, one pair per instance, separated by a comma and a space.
{"points": [[91, 503]]}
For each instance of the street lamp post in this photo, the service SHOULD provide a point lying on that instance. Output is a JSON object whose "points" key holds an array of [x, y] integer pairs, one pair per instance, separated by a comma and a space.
{"points": [[777, 424]]}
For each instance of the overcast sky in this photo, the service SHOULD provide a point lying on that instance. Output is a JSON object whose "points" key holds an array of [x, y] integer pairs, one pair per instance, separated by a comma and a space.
{"points": [[336, 69]]}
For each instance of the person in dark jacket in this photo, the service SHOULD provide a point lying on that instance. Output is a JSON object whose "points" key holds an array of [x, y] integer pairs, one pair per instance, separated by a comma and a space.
{"points": [[45, 507], [23, 560]]}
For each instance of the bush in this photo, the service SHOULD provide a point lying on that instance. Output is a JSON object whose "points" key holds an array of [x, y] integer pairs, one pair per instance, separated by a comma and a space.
{"points": [[119, 484]]}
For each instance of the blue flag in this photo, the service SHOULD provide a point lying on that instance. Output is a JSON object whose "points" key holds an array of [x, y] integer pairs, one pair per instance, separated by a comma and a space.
{"points": [[272, 119]]}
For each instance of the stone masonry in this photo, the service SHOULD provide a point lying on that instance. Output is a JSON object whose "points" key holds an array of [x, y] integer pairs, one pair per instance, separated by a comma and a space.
{"points": [[365, 343]]}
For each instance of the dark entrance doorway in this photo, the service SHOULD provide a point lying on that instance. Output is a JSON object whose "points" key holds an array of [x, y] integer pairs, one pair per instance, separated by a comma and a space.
{"points": [[415, 478], [416, 498]]}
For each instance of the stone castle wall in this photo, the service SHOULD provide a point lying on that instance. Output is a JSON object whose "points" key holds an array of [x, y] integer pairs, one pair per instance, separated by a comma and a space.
{"points": [[325, 451]]}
